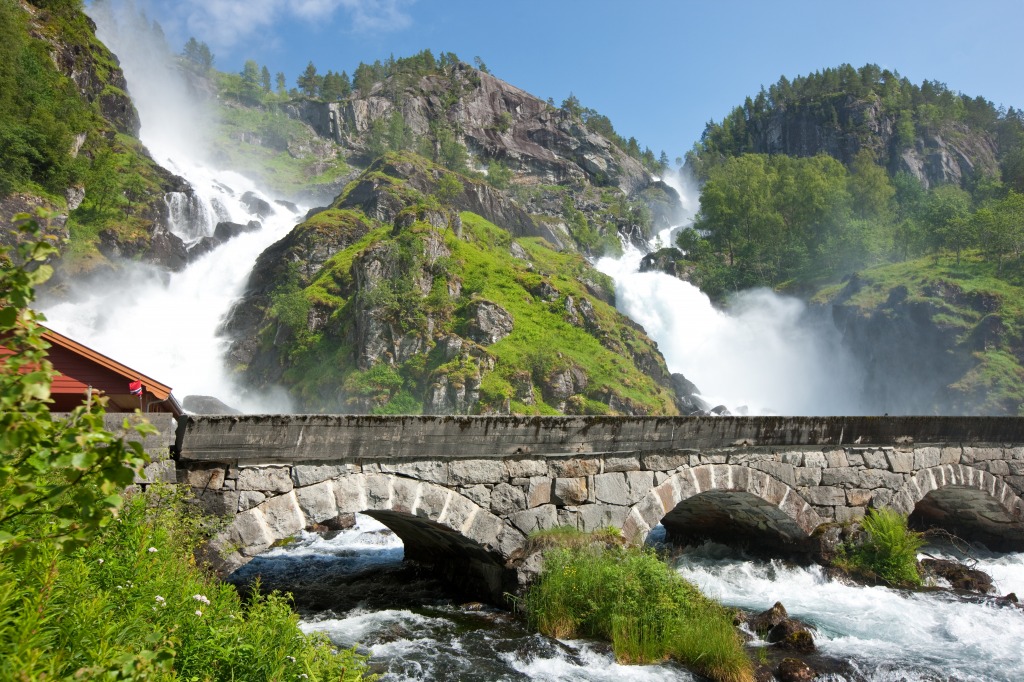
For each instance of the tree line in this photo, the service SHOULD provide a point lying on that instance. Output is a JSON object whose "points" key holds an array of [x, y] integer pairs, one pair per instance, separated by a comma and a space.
{"points": [[778, 220]]}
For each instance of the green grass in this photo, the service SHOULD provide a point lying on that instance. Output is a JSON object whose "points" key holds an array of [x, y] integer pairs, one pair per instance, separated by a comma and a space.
{"points": [[631, 598], [134, 605]]}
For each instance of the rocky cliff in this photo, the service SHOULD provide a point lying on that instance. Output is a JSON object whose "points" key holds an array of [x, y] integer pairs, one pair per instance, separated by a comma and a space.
{"points": [[953, 153], [109, 204], [933, 339], [406, 297]]}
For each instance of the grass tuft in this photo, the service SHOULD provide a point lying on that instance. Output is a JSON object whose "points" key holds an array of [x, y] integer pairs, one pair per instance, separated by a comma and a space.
{"points": [[630, 597]]}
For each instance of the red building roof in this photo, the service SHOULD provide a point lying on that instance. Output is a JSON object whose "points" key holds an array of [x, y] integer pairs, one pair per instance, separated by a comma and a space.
{"points": [[81, 368]]}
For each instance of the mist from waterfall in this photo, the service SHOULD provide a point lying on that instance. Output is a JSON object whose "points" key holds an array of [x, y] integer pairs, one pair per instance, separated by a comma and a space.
{"points": [[162, 324], [763, 354]]}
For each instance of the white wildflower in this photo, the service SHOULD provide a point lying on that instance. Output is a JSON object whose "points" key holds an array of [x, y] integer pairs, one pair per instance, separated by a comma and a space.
{"points": [[290, 658], [199, 613], [100, 561], [151, 550], [199, 597], [159, 599]]}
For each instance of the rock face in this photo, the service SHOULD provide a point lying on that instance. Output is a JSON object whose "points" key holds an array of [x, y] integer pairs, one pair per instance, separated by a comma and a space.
{"points": [[424, 306], [929, 347], [952, 156]]}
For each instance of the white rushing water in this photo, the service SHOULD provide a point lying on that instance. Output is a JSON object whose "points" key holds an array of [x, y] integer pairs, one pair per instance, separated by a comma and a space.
{"points": [[764, 353], [888, 634], [165, 324]]}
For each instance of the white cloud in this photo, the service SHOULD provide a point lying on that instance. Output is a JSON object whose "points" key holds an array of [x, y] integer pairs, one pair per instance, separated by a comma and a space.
{"points": [[225, 23]]}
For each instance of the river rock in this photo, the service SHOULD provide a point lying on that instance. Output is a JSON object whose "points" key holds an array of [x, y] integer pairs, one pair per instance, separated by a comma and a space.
{"points": [[959, 576], [794, 670]]}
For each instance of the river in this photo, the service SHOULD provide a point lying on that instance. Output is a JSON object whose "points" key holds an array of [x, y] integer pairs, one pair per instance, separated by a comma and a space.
{"points": [[355, 589], [355, 586]]}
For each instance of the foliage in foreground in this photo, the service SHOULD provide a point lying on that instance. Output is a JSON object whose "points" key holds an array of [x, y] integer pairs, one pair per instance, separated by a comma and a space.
{"points": [[86, 597], [631, 598], [890, 552], [134, 605]]}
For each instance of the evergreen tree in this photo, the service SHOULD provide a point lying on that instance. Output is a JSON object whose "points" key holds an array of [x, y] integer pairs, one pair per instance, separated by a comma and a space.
{"points": [[310, 82], [265, 79]]}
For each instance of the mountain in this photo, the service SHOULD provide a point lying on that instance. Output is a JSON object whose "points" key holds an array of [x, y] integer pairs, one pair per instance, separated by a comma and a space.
{"points": [[895, 208], [68, 133]]}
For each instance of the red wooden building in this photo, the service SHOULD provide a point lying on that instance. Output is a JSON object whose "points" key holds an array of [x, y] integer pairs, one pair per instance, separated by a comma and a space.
{"points": [[81, 368]]}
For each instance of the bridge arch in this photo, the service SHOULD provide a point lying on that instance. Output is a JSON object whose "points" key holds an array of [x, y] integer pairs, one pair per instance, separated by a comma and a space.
{"points": [[776, 505], [965, 501], [436, 524]]}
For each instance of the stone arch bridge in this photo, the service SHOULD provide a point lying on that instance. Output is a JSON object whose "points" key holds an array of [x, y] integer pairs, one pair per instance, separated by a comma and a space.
{"points": [[463, 493]]}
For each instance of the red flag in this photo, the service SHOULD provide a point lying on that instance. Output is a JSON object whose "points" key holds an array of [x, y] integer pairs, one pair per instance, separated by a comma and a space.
{"points": [[135, 387]]}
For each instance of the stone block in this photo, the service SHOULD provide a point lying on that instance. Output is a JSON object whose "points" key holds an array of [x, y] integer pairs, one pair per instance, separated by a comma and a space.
{"points": [[847, 478], [806, 476], [570, 491], [472, 471], [506, 499], [230, 484], [825, 496], [538, 492], [526, 467], [247, 499], [273, 479], [204, 476], [569, 518], [573, 467], [665, 461], [613, 463], [651, 509], [951, 455], [881, 498], [404, 493], [1016, 468], [982, 454], [283, 516], [794, 458], [611, 488], [858, 497], [877, 478], [925, 458], [433, 471], [875, 459], [311, 474], [597, 516], [432, 501], [350, 494], [479, 493], [849, 514], [815, 459], [485, 530], [900, 462], [459, 511], [998, 467], [250, 529], [837, 458], [539, 518], [856, 459], [317, 502], [780, 471], [378, 492]]}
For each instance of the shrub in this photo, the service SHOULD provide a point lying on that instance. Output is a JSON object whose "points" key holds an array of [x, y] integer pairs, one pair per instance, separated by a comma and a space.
{"points": [[628, 596], [890, 551]]}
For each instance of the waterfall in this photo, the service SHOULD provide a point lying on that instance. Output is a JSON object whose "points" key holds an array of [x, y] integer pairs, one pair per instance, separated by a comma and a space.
{"points": [[164, 324], [763, 354]]}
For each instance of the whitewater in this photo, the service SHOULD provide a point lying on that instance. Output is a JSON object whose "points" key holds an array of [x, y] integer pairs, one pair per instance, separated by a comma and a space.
{"points": [[764, 353]]}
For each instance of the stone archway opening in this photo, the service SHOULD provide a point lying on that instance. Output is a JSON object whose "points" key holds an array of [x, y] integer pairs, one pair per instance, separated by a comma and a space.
{"points": [[971, 514], [734, 518], [465, 564]]}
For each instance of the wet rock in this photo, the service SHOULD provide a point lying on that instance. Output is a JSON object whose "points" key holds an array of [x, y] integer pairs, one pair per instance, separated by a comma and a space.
{"points": [[959, 576], [794, 670], [257, 206], [766, 620], [226, 230], [792, 635]]}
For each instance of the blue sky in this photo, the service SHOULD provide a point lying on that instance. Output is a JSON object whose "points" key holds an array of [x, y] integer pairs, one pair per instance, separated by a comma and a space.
{"points": [[659, 69]]}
